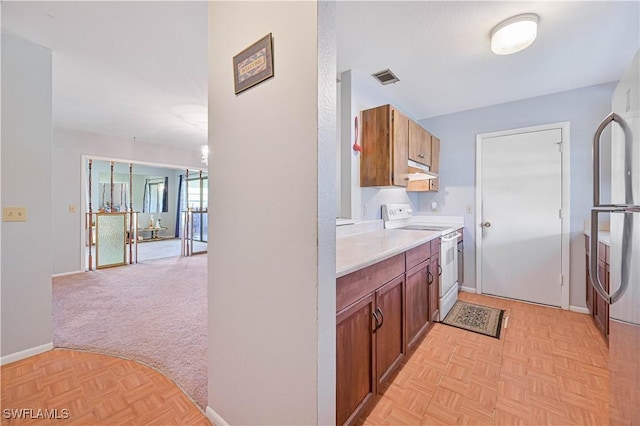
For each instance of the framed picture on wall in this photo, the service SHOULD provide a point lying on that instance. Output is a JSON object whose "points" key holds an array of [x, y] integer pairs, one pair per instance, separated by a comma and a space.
{"points": [[254, 64]]}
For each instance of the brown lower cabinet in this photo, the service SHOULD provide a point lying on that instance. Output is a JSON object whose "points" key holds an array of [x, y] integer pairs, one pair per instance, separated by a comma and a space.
{"points": [[434, 287], [601, 308], [369, 347], [389, 334], [383, 310], [355, 344], [417, 302], [598, 307]]}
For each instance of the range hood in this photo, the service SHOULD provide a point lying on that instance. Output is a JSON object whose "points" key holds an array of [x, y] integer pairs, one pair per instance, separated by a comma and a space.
{"points": [[419, 171]]}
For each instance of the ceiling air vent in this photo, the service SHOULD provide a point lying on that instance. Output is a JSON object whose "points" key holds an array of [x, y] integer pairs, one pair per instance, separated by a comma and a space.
{"points": [[386, 77]]}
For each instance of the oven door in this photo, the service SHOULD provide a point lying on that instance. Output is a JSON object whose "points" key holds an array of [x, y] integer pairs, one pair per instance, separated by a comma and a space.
{"points": [[449, 261]]}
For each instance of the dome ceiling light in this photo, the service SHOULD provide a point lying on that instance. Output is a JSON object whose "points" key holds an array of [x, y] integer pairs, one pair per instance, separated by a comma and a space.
{"points": [[514, 34]]}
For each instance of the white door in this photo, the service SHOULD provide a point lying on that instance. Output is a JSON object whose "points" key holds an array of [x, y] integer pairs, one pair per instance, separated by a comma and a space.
{"points": [[521, 236]]}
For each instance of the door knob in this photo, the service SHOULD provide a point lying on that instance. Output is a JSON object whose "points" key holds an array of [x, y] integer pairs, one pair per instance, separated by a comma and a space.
{"points": [[487, 224]]}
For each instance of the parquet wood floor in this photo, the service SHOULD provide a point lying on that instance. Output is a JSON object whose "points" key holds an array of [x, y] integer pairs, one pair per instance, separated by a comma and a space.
{"points": [[548, 368], [91, 389]]}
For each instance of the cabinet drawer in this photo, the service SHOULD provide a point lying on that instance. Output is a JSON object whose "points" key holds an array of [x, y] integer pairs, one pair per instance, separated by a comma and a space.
{"points": [[358, 284], [418, 254]]}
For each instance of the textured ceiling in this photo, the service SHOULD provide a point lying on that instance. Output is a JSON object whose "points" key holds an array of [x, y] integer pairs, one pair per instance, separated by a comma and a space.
{"points": [[441, 50], [139, 69], [129, 69]]}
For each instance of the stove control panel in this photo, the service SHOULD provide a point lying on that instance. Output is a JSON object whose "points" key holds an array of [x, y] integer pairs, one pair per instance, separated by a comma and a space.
{"points": [[396, 211]]}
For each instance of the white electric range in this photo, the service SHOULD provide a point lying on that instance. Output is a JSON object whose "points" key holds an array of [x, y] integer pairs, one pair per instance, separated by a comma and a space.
{"points": [[400, 216]]}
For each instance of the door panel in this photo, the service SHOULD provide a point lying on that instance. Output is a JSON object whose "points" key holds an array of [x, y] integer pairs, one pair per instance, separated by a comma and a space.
{"points": [[355, 354], [417, 296], [521, 199], [434, 288], [400, 149], [419, 144], [389, 335]]}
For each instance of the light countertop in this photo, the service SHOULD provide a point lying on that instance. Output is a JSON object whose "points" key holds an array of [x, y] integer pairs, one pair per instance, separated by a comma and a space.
{"points": [[603, 236], [357, 251]]}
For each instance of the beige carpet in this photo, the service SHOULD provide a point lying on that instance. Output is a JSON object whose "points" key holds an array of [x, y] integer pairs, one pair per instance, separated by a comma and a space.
{"points": [[154, 312]]}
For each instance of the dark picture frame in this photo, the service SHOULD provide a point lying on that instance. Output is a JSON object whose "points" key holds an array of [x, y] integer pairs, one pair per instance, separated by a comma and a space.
{"points": [[254, 64]]}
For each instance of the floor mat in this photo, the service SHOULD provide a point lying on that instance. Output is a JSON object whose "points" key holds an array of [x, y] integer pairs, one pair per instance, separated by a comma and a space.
{"points": [[477, 318]]}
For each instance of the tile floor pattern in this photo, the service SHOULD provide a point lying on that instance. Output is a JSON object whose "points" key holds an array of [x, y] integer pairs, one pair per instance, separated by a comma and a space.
{"points": [[95, 389], [548, 368]]}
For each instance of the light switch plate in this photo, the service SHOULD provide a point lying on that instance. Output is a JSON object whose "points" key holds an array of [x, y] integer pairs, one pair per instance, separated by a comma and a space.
{"points": [[14, 214]]}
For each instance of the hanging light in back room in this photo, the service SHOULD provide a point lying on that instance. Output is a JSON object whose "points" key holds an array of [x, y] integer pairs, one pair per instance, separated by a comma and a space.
{"points": [[204, 149]]}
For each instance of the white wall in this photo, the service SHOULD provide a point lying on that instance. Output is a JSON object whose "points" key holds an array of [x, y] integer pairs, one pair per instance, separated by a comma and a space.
{"points": [[272, 246], [26, 181], [583, 108], [68, 182], [360, 91]]}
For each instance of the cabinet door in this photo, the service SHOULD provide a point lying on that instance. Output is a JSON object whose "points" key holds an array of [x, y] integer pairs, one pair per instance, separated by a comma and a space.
{"points": [[389, 333], [460, 260], [355, 343], [435, 154], [605, 314], [589, 289], [601, 307], [419, 144], [434, 184], [434, 287], [400, 145], [375, 160], [417, 302]]}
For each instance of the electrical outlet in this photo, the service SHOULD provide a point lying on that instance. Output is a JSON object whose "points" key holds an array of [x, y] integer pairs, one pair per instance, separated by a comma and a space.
{"points": [[469, 209], [72, 208], [14, 214]]}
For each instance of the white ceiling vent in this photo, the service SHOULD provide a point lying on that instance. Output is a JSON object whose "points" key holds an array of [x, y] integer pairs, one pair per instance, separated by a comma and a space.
{"points": [[386, 77]]}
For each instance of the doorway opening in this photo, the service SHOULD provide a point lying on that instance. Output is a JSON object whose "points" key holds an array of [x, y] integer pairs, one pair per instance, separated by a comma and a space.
{"points": [[160, 211], [522, 214], [153, 311]]}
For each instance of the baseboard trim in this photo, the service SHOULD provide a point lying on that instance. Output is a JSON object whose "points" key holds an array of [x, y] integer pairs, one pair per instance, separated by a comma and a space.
{"points": [[215, 418], [62, 274], [17, 356], [468, 289], [579, 309]]}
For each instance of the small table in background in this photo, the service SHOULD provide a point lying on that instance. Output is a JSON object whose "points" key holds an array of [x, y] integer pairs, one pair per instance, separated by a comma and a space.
{"points": [[153, 231]]}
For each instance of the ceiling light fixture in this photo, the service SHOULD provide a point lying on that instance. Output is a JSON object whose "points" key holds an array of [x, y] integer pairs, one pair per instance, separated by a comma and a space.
{"points": [[514, 34]]}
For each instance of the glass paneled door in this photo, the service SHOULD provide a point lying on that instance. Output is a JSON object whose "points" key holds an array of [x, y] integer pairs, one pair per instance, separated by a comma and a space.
{"points": [[198, 196]]}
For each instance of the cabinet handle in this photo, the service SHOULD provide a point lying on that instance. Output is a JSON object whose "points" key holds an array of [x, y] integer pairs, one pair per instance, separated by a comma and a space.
{"points": [[375, 316], [421, 155], [439, 270], [381, 317], [429, 276]]}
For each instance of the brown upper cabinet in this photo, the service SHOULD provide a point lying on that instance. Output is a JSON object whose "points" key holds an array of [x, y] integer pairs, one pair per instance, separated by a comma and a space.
{"points": [[385, 144], [419, 144], [435, 163], [389, 140]]}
